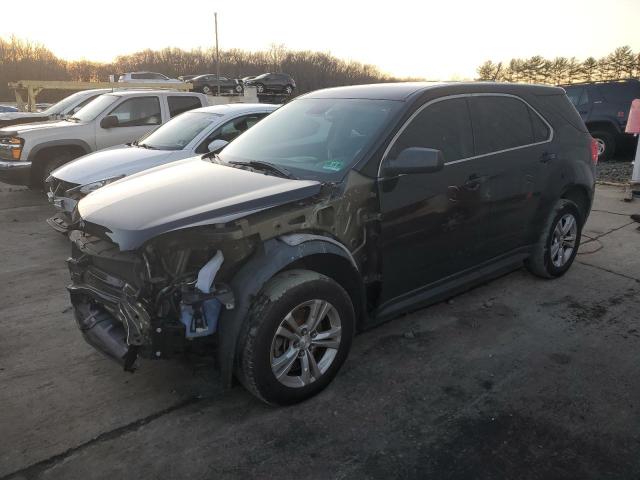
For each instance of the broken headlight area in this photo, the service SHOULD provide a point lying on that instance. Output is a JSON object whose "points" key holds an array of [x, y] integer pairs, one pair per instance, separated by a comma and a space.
{"points": [[152, 303]]}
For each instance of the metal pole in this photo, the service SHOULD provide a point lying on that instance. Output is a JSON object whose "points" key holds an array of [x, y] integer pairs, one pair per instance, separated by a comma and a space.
{"points": [[635, 175], [215, 15]]}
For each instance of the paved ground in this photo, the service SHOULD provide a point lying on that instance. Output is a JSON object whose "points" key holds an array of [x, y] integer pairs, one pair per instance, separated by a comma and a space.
{"points": [[520, 378]]}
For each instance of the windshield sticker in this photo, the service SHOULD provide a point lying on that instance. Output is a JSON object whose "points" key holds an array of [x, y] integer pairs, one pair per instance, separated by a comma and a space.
{"points": [[333, 165]]}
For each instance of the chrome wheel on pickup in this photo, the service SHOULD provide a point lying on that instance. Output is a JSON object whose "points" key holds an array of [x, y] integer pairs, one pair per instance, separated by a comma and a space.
{"points": [[297, 336]]}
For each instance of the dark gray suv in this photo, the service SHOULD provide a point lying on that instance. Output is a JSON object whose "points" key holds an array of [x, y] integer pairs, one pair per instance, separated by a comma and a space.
{"points": [[272, 83], [341, 210]]}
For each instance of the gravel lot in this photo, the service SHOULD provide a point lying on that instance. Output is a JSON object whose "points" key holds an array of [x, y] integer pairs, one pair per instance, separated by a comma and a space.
{"points": [[520, 378], [615, 171]]}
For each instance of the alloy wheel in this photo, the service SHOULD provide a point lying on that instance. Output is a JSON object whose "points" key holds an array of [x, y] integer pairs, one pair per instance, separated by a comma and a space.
{"points": [[306, 343], [601, 145], [564, 239]]}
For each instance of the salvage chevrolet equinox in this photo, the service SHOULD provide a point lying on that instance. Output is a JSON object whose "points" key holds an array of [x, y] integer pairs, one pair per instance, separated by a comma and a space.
{"points": [[341, 210]]}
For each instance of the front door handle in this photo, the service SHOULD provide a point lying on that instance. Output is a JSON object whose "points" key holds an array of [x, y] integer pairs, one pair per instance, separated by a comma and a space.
{"points": [[547, 157]]}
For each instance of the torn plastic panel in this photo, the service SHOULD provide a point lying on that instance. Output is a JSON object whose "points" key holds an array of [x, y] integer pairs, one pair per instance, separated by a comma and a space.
{"points": [[199, 311]]}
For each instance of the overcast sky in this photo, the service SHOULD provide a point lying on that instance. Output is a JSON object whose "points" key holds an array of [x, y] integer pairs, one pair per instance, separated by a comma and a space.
{"points": [[431, 39]]}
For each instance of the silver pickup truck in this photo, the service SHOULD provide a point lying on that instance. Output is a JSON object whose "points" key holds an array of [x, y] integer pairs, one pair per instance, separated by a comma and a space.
{"points": [[29, 153]]}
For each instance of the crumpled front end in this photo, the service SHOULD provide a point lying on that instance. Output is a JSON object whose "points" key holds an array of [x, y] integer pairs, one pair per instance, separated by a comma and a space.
{"points": [[64, 196], [138, 304]]}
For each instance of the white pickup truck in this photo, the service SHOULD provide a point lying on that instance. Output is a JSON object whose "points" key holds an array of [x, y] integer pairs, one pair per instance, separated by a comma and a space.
{"points": [[29, 153]]}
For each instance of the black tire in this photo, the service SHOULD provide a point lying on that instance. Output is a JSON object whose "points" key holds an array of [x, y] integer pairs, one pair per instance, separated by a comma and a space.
{"points": [[260, 88], [288, 89], [57, 160], [608, 141], [540, 262], [284, 293], [207, 90], [239, 89]]}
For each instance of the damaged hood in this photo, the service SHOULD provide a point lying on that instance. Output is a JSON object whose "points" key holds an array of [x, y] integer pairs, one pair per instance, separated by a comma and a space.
{"points": [[113, 162], [185, 194]]}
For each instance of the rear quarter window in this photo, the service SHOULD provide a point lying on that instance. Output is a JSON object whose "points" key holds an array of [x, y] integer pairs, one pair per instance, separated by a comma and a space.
{"points": [[563, 110]]}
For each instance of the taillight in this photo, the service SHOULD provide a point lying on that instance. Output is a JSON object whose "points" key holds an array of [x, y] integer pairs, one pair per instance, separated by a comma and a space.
{"points": [[594, 151]]}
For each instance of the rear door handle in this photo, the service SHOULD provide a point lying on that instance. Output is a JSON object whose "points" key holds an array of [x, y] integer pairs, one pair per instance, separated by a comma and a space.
{"points": [[548, 157], [473, 182]]}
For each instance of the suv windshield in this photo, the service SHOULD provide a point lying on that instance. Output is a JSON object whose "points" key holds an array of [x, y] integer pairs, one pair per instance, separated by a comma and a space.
{"points": [[314, 138], [180, 131], [95, 108], [64, 104]]}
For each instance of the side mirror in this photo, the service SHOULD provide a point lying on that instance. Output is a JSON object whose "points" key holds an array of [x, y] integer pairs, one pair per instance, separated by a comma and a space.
{"points": [[109, 121], [415, 160], [217, 145]]}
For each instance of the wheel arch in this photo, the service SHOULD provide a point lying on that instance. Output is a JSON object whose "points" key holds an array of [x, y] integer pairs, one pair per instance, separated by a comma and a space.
{"points": [[321, 254], [41, 153], [580, 195]]}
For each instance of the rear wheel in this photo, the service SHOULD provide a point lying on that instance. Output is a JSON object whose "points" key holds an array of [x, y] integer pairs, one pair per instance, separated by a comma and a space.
{"points": [[260, 88], [297, 336], [239, 89], [559, 241], [606, 144], [206, 90], [288, 89]]}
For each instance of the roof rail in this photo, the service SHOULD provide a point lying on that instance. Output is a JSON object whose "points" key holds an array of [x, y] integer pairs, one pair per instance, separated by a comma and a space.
{"points": [[620, 80]]}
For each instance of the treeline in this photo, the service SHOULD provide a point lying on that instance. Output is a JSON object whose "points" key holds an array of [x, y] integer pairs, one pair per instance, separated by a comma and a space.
{"points": [[25, 60], [622, 63]]}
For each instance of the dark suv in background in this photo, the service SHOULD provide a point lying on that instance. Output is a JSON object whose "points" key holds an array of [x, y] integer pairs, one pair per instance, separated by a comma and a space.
{"points": [[272, 83], [604, 107], [343, 209]]}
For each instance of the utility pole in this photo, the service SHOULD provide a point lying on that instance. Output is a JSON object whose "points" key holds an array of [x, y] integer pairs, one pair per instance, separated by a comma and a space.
{"points": [[215, 16]]}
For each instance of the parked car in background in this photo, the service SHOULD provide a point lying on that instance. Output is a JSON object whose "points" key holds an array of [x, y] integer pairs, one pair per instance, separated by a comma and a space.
{"points": [[273, 83], [29, 153], [146, 77], [195, 132], [187, 78], [343, 209], [208, 84], [8, 108], [65, 107], [604, 107]]}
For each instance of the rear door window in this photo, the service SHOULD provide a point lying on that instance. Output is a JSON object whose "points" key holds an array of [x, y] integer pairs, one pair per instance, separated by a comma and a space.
{"points": [[444, 126], [138, 112], [182, 103], [501, 123]]}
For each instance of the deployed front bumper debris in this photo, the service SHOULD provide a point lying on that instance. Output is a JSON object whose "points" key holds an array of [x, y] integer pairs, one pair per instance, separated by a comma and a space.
{"points": [[113, 299]]}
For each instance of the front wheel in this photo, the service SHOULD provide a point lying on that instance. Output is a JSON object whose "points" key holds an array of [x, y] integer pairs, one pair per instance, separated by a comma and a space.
{"points": [[297, 336], [288, 89], [260, 88], [559, 241], [207, 90], [50, 165]]}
